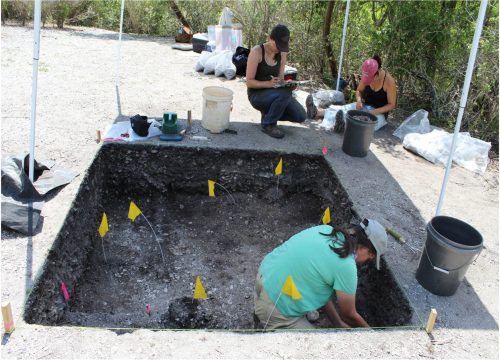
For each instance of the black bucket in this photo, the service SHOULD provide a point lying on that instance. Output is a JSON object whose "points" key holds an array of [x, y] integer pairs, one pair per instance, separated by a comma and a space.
{"points": [[450, 247], [358, 132]]}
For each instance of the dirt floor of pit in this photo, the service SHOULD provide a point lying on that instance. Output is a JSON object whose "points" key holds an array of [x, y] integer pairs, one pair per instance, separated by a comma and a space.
{"points": [[224, 249], [214, 238], [77, 96]]}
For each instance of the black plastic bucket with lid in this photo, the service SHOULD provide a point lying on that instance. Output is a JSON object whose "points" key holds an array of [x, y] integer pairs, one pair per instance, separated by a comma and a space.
{"points": [[450, 248], [358, 132]]}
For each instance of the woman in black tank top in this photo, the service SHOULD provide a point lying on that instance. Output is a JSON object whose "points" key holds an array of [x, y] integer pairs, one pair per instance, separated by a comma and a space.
{"points": [[377, 89], [265, 75]]}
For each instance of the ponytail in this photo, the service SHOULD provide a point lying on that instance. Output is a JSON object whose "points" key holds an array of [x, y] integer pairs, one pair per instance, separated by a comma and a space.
{"points": [[353, 235], [378, 60]]}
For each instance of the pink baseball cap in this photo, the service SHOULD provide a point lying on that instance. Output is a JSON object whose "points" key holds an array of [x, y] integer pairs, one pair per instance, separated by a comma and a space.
{"points": [[368, 70]]}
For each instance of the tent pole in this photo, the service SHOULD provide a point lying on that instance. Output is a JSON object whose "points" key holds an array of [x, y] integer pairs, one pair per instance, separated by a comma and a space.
{"points": [[463, 100], [343, 41], [34, 83], [119, 45]]}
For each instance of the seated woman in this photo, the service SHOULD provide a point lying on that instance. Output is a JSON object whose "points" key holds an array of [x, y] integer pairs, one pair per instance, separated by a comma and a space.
{"points": [[320, 261], [265, 75], [376, 93]]}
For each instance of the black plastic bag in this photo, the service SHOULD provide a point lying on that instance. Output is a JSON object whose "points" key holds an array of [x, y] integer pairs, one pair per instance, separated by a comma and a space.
{"points": [[240, 58], [140, 125]]}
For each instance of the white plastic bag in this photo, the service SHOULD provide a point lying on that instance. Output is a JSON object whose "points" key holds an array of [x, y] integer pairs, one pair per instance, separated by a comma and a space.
{"points": [[329, 119], [223, 62], [325, 98], [226, 18], [418, 122], [470, 153], [230, 71], [211, 63], [205, 55]]}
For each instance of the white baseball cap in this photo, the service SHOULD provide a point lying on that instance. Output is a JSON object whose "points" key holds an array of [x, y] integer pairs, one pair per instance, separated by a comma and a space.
{"points": [[378, 237]]}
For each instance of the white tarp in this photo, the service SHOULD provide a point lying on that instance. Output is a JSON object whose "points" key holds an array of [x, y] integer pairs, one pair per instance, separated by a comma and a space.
{"points": [[435, 146]]}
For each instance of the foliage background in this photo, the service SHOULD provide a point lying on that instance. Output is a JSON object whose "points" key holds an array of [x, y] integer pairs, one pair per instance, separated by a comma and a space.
{"points": [[424, 44]]}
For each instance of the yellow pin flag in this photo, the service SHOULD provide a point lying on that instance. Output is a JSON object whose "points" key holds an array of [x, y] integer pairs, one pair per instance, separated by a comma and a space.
{"points": [[290, 289], [279, 167], [199, 290], [211, 186], [103, 228], [133, 211], [326, 216]]}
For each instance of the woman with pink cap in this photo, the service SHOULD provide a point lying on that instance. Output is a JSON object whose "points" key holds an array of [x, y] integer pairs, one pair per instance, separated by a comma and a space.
{"points": [[376, 93]]}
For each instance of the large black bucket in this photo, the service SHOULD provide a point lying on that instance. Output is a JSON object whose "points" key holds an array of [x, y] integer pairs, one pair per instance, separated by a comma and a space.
{"points": [[450, 247], [358, 132]]}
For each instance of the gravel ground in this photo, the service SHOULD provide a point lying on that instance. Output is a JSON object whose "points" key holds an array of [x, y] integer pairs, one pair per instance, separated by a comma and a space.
{"points": [[77, 96]]}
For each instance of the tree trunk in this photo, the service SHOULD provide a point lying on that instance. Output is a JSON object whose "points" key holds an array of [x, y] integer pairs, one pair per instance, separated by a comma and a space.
{"points": [[326, 40], [178, 14]]}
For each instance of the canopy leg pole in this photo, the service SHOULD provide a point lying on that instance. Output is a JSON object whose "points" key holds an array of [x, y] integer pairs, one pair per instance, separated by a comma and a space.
{"points": [[119, 45], [343, 42], [463, 100], [34, 84]]}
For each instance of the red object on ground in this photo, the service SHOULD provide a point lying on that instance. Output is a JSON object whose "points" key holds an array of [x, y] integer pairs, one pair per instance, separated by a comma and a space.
{"points": [[64, 291], [148, 309], [324, 150]]}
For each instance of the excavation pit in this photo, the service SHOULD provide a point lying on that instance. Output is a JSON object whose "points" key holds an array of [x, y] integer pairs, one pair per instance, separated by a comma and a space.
{"points": [[123, 280]]}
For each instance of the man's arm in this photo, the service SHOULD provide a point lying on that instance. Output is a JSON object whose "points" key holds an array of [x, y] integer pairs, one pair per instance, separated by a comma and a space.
{"points": [[348, 313]]}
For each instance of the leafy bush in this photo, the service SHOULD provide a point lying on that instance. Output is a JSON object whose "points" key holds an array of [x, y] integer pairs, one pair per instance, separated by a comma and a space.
{"points": [[424, 44]]}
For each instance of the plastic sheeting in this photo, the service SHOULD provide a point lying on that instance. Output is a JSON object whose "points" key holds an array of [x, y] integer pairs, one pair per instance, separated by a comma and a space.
{"points": [[470, 153], [22, 200]]}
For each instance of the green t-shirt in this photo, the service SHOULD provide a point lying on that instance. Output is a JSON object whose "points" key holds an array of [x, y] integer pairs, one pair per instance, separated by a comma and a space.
{"points": [[315, 268]]}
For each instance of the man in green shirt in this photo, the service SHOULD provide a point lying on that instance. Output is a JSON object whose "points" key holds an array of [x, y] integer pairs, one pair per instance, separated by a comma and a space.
{"points": [[301, 275]]}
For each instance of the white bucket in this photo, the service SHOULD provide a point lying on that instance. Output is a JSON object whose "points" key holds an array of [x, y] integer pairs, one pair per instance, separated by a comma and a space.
{"points": [[217, 102]]}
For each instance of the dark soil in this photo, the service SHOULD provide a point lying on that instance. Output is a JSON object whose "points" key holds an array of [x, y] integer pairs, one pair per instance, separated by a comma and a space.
{"points": [[362, 118], [222, 239]]}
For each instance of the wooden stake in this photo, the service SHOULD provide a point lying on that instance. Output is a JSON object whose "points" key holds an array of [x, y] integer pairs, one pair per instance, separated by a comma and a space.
{"points": [[432, 319], [98, 136], [8, 320], [189, 118]]}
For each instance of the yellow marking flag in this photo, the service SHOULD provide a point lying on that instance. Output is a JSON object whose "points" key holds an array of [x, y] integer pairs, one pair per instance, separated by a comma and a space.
{"points": [[103, 228], [199, 290], [211, 185], [133, 211], [279, 168], [326, 216], [290, 289]]}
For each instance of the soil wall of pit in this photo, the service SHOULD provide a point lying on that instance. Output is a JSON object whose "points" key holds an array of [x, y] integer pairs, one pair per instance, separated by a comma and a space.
{"points": [[152, 264], [122, 172]]}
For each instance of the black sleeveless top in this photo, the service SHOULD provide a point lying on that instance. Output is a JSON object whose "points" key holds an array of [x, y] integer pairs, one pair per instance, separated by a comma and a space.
{"points": [[376, 98], [265, 71]]}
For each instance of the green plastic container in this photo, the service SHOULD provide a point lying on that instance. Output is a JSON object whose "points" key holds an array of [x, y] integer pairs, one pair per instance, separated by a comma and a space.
{"points": [[169, 123]]}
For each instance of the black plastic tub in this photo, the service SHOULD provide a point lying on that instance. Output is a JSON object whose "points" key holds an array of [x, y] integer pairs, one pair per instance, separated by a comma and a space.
{"points": [[358, 133], [451, 246]]}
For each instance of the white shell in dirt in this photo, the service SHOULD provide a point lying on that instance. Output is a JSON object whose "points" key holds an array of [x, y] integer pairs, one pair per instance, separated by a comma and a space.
{"points": [[217, 104]]}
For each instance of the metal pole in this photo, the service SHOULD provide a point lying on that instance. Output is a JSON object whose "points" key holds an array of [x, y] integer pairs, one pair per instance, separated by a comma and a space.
{"points": [[36, 54], [343, 41], [463, 100], [119, 45]]}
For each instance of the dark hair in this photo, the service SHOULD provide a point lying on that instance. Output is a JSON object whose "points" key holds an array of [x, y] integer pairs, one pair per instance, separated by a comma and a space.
{"points": [[378, 60], [354, 236]]}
